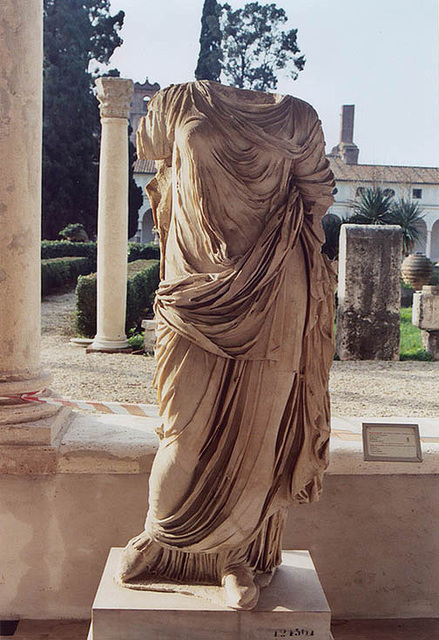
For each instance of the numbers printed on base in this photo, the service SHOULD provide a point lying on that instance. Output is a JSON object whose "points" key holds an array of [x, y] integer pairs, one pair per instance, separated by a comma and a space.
{"points": [[293, 633]]}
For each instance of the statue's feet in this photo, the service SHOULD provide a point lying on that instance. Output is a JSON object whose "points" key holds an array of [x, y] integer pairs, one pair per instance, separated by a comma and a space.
{"points": [[139, 556], [240, 588]]}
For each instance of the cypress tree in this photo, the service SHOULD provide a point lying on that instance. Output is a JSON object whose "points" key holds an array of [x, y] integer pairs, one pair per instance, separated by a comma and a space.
{"points": [[209, 59]]}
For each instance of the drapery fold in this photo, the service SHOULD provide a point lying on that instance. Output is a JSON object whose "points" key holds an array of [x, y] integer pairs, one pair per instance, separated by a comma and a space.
{"points": [[245, 314]]}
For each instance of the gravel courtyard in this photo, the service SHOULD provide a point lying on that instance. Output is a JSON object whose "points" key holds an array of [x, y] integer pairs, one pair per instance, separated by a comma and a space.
{"points": [[372, 389]]}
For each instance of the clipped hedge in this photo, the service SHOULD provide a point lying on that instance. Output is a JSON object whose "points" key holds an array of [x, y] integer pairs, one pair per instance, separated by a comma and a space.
{"points": [[143, 280], [139, 251], [58, 273], [63, 248]]}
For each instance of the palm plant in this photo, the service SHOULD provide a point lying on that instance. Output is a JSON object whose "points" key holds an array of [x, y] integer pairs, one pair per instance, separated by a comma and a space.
{"points": [[372, 207], [407, 215]]}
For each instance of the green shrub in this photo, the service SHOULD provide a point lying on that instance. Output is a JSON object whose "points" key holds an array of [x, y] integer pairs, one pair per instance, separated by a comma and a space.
{"points": [[63, 248], [139, 251], [143, 280], [57, 273], [74, 232], [136, 340]]}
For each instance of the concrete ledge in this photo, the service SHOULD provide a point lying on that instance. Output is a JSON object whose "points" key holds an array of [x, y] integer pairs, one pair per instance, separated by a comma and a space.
{"points": [[108, 444], [346, 456], [90, 443], [127, 444]]}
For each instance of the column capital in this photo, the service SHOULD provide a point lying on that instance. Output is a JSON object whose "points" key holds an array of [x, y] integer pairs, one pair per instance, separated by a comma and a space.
{"points": [[114, 95]]}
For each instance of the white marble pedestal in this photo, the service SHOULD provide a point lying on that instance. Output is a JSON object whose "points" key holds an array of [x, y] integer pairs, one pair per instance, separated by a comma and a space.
{"points": [[293, 606]]}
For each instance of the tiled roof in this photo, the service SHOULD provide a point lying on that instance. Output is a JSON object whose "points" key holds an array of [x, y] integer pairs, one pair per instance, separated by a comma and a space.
{"points": [[383, 173], [353, 172], [144, 166]]}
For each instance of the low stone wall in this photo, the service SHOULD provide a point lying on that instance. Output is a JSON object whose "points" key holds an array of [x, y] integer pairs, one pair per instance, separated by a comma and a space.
{"points": [[372, 536]]}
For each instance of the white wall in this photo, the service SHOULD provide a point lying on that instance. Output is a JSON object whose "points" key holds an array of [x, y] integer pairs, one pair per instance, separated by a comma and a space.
{"points": [[373, 539]]}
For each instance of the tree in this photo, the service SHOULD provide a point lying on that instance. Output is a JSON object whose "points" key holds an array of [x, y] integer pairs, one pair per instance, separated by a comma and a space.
{"points": [[255, 47], [372, 207], [407, 215], [209, 59], [78, 35]]}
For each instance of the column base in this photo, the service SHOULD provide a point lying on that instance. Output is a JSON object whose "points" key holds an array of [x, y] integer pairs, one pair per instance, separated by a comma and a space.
{"points": [[15, 410], [102, 345], [31, 447]]}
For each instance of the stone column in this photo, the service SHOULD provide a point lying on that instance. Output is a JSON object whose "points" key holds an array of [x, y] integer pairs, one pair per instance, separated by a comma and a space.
{"points": [[21, 56], [428, 243], [369, 292], [114, 95]]}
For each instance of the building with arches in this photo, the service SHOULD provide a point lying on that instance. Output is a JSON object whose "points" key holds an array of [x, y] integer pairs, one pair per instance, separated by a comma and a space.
{"points": [[418, 184]]}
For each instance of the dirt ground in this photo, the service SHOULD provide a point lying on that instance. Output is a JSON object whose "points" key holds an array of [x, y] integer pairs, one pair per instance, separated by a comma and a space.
{"points": [[366, 388]]}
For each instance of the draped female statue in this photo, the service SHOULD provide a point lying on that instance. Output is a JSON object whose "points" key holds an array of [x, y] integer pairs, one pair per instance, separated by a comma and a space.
{"points": [[244, 333]]}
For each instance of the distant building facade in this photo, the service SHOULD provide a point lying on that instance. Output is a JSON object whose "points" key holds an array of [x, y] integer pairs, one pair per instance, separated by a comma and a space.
{"points": [[418, 184], [139, 105], [144, 170]]}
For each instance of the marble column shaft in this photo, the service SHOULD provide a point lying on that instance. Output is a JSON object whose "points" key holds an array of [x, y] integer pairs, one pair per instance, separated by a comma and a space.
{"points": [[114, 95], [21, 56]]}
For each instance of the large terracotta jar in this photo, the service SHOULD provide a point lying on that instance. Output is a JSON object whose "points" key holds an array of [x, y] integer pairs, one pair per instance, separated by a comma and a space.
{"points": [[416, 270]]}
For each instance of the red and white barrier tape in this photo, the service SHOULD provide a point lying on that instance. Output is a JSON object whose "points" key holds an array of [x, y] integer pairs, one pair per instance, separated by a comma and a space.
{"points": [[123, 408]]}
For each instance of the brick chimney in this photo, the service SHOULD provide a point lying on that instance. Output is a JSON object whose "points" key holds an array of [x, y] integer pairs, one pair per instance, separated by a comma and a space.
{"points": [[346, 149]]}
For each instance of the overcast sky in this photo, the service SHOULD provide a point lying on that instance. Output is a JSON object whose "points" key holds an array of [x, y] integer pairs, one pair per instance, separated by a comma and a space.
{"points": [[381, 55]]}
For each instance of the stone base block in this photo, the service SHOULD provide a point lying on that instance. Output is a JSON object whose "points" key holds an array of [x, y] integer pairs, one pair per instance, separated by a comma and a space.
{"points": [[293, 606], [425, 313], [31, 447], [150, 339], [39, 432], [430, 341]]}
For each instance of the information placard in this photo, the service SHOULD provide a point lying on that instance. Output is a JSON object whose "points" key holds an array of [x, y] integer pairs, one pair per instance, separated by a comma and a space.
{"points": [[391, 442]]}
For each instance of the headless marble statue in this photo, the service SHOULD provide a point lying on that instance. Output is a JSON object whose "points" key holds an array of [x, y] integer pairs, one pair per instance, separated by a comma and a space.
{"points": [[244, 333]]}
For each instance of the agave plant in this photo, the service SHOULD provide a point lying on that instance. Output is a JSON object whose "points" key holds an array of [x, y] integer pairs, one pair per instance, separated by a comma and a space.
{"points": [[372, 207], [407, 215]]}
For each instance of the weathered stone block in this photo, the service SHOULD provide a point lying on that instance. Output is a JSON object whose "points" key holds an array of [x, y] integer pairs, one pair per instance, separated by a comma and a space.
{"points": [[425, 314], [369, 292], [150, 338], [430, 341]]}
